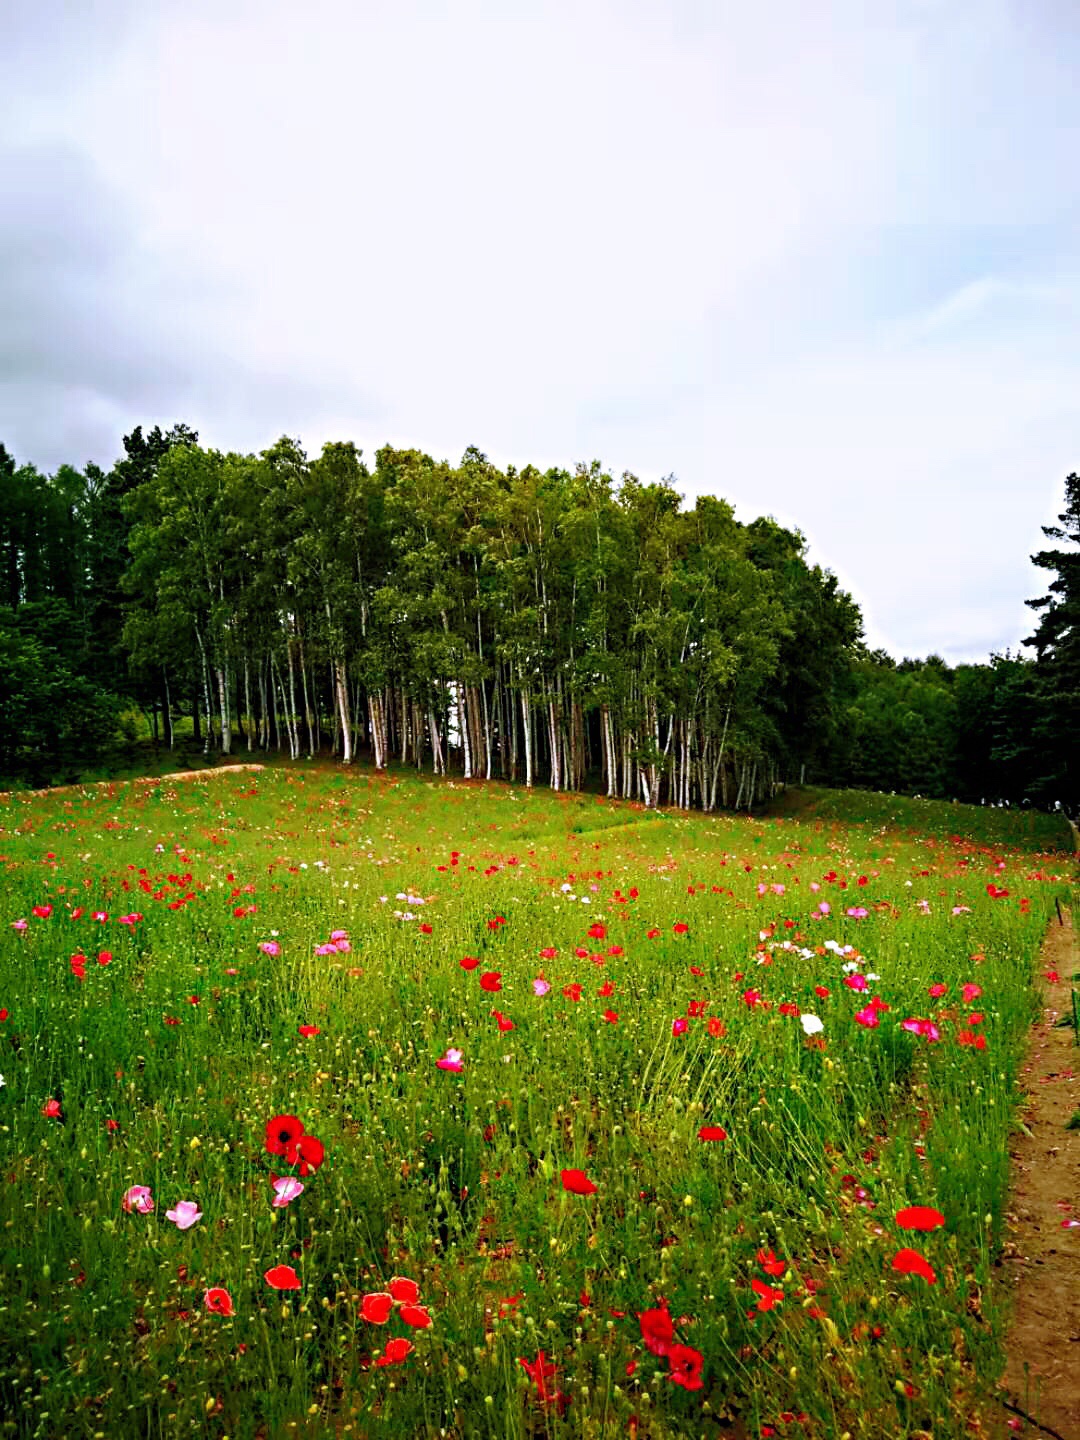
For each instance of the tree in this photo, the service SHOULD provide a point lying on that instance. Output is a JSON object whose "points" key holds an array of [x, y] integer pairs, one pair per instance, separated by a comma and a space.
{"points": [[1057, 657]]}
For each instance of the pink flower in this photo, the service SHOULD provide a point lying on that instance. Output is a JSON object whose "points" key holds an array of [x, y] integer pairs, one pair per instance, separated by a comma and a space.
{"points": [[540, 986], [450, 1061], [18, 924], [132, 919], [270, 947], [343, 947], [185, 1214], [325, 949], [139, 1199], [336, 935], [971, 992], [855, 982], [857, 912], [286, 1189], [868, 1016]]}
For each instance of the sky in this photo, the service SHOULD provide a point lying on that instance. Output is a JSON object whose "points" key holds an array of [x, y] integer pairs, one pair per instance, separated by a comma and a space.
{"points": [[820, 260]]}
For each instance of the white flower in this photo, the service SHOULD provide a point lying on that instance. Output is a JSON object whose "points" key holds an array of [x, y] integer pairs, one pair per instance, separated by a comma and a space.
{"points": [[3, 1082], [811, 1024]]}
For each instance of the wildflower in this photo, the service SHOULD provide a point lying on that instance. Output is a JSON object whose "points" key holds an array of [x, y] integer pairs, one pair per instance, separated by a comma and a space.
{"points": [[51, 1110], [855, 982], [576, 1182], [307, 1152], [269, 947], [910, 1262], [686, 1365], [307, 1031], [138, 1199], [541, 1371], [282, 1277], [184, 1215], [286, 1188], [919, 1217], [971, 992], [652, 934], [611, 1016], [469, 962], [768, 1295], [712, 1132], [868, 1017], [218, 1300], [281, 1132], [404, 1291], [503, 1021], [657, 1330], [769, 1263], [540, 986], [418, 1316], [811, 1024], [680, 1026], [680, 927], [42, 911], [376, 1307], [450, 1061], [936, 991], [396, 1351], [491, 980]]}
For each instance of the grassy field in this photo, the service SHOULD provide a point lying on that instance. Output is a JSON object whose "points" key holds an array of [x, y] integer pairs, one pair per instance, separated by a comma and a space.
{"points": [[345, 1105]]}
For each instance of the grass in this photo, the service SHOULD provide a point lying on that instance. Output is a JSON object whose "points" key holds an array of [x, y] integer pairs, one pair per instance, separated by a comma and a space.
{"points": [[167, 1062]]}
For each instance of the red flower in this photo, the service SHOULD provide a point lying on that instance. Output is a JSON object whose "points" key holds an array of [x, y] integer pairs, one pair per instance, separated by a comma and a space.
{"points": [[821, 991], [504, 1022], [680, 927], [548, 953], [307, 1152], [577, 1182], [396, 1352], [491, 980], [768, 1295], [606, 990], [468, 962], [717, 1028], [919, 1217], [686, 1364], [376, 1307], [712, 1132], [597, 932], [404, 1291], [652, 934], [540, 1371], [417, 1316], [910, 1262], [770, 1264], [42, 911], [282, 1277], [282, 1132], [572, 992], [425, 928], [307, 1031], [218, 1300], [51, 1108], [657, 1330], [611, 1016]]}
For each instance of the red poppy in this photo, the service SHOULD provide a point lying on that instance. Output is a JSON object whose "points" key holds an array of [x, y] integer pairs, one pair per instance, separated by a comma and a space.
{"points": [[540, 1371], [418, 1316], [680, 927], [910, 1262], [307, 1152], [307, 1031], [657, 1330], [577, 1182], [821, 991], [218, 1300], [282, 1132], [717, 1028], [652, 934], [282, 1277], [770, 1264], [406, 1292], [468, 962], [597, 932], [51, 1109], [768, 1295], [548, 953], [376, 1307], [504, 1022], [572, 992], [396, 1352], [611, 1016], [491, 980], [686, 1364], [606, 990], [712, 1132], [919, 1217]]}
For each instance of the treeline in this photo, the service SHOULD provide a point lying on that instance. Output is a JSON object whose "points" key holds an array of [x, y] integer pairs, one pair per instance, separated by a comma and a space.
{"points": [[548, 627]]}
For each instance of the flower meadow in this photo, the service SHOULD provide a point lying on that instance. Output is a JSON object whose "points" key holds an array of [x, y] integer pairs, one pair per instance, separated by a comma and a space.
{"points": [[338, 1103]]}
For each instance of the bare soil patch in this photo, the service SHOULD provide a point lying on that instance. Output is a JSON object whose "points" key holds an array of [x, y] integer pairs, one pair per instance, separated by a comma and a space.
{"points": [[1040, 1390]]}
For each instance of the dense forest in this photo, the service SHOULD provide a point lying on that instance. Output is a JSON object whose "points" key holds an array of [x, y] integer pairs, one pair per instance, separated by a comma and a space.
{"points": [[552, 627]]}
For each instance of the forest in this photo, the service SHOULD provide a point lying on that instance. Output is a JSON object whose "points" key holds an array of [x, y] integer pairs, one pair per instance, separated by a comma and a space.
{"points": [[557, 627]]}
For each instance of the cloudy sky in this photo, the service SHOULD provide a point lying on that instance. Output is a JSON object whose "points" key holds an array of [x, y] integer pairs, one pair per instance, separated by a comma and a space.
{"points": [[822, 260]]}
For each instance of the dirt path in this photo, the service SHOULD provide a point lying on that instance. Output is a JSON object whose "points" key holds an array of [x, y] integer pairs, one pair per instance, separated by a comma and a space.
{"points": [[1040, 1390], [207, 774]]}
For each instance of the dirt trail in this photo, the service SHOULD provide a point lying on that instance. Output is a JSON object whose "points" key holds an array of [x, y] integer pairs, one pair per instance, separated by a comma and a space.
{"points": [[1040, 1390], [207, 774]]}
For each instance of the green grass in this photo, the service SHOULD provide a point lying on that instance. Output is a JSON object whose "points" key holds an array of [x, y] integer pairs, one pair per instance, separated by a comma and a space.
{"points": [[453, 1179]]}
